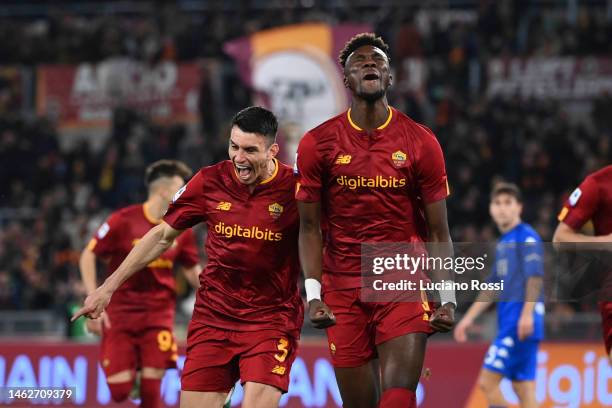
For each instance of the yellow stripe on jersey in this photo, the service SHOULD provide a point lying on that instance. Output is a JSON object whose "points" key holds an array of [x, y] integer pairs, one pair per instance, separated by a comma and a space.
{"points": [[269, 179], [563, 214], [381, 127], [92, 244]]}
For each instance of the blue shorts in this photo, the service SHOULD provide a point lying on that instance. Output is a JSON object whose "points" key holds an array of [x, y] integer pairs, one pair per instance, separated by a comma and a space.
{"points": [[514, 359]]}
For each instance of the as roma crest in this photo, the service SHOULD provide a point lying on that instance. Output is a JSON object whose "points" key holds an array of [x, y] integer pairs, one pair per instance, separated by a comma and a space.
{"points": [[399, 158], [275, 210]]}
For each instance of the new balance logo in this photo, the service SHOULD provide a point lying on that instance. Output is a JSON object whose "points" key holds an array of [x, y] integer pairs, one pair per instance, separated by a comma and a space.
{"points": [[280, 370], [224, 206], [343, 159]]}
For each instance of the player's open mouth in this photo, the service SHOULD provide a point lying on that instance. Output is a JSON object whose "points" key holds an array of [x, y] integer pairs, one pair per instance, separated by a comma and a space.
{"points": [[371, 77], [243, 171]]}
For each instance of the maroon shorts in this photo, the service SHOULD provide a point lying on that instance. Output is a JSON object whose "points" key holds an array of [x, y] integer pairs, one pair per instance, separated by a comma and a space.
{"points": [[361, 326], [217, 358], [131, 349], [605, 308]]}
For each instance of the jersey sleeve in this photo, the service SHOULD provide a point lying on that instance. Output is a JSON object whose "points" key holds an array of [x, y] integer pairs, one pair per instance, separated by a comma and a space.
{"points": [[431, 170], [308, 169], [532, 257], [188, 253], [581, 204], [187, 207], [104, 241]]}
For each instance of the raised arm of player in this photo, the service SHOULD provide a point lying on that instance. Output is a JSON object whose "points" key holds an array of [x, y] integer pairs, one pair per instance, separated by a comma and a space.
{"points": [[150, 247], [579, 208], [443, 319], [565, 233], [311, 248]]}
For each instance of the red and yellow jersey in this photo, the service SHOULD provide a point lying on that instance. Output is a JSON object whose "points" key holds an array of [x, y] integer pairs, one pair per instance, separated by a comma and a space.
{"points": [[373, 187], [591, 200], [151, 289], [250, 281]]}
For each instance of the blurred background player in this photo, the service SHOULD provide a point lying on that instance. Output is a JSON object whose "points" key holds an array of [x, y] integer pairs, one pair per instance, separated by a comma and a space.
{"points": [[371, 140], [592, 201], [248, 311], [137, 326], [519, 263]]}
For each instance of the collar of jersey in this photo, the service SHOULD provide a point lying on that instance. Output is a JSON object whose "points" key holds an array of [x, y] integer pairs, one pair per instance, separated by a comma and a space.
{"points": [[381, 127], [147, 215], [269, 179]]}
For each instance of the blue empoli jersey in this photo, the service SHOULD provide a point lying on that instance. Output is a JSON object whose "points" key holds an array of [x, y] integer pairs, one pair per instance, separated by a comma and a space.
{"points": [[519, 255]]}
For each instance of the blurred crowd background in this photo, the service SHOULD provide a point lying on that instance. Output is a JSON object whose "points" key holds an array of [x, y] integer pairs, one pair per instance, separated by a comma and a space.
{"points": [[53, 197]]}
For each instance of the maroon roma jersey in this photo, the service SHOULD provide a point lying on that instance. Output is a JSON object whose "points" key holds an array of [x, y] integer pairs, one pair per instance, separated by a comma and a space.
{"points": [[373, 187], [151, 290], [250, 281], [592, 200]]}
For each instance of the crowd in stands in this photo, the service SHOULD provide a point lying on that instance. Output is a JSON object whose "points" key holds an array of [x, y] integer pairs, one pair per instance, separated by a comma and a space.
{"points": [[52, 200]]}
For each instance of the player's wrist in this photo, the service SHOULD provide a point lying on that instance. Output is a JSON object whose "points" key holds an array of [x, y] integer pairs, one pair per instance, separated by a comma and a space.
{"points": [[313, 289], [448, 297]]}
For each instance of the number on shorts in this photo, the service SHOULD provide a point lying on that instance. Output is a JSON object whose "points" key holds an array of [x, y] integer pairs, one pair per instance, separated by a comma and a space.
{"points": [[282, 346], [164, 340], [491, 354]]}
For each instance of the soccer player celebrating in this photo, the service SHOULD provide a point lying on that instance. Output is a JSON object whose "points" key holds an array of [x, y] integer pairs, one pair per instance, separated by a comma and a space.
{"points": [[520, 310], [248, 310], [137, 326], [592, 200], [373, 175]]}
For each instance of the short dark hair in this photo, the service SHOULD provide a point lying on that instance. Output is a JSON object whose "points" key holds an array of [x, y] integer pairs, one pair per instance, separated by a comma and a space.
{"points": [[256, 119], [166, 168], [507, 188], [359, 41]]}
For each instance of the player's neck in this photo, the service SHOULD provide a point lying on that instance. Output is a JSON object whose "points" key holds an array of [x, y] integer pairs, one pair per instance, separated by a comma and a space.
{"points": [[509, 227], [155, 208], [267, 176], [369, 116]]}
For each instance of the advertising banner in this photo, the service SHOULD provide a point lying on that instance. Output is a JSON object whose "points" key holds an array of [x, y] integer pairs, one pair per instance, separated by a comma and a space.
{"points": [[568, 375], [85, 95]]}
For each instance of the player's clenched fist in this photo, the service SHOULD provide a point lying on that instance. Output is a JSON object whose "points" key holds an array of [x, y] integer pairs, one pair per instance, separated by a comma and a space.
{"points": [[94, 304], [320, 314], [443, 318]]}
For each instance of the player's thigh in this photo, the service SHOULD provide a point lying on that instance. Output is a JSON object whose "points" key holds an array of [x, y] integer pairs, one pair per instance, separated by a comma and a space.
{"points": [[525, 391], [158, 349], [268, 357], [401, 360], [211, 364], [118, 354], [196, 399], [358, 385], [351, 340], [488, 380], [258, 395]]}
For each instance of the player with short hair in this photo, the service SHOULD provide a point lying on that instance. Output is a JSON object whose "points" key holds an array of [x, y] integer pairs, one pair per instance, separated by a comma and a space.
{"points": [[137, 326], [248, 312], [369, 175], [592, 200], [520, 308]]}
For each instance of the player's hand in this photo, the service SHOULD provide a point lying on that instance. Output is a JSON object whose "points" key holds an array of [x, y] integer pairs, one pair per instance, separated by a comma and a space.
{"points": [[94, 304], [443, 318], [95, 325], [460, 333], [320, 314], [525, 326]]}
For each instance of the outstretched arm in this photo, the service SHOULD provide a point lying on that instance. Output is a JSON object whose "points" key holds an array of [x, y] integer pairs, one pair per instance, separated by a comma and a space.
{"points": [[150, 247]]}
